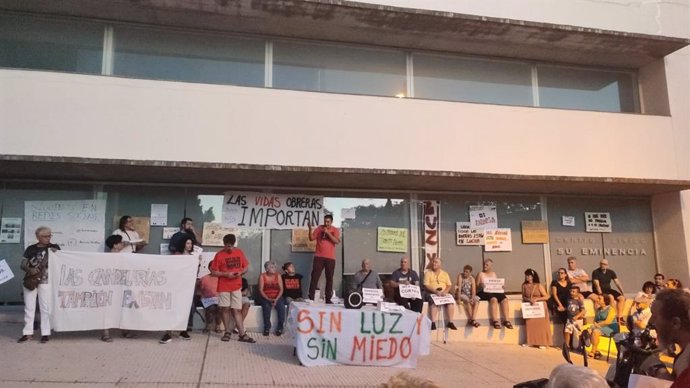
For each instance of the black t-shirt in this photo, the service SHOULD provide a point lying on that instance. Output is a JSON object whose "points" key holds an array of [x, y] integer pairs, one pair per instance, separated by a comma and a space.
{"points": [[563, 293], [38, 257], [604, 279], [176, 244], [411, 276], [245, 284], [292, 286]]}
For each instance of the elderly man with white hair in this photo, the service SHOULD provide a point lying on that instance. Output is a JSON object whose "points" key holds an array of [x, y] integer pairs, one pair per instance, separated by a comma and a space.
{"points": [[367, 277]]}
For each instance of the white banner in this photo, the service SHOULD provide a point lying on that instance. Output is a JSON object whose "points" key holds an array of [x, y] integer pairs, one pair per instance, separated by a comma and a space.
{"points": [[76, 225], [271, 211], [494, 285], [331, 335], [121, 290], [410, 291], [432, 229], [533, 310], [5, 271], [483, 217], [441, 300]]}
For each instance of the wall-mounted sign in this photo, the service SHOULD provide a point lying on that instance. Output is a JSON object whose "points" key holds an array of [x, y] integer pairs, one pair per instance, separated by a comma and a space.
{"points": [[483, 217], [568, 221], [535, 232], [432, 225], [597, 222], [464, 235], [498, 240], [300, 241], [391, 240]]}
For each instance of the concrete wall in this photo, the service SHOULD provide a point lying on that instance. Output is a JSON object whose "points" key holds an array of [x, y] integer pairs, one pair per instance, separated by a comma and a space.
{"points": [[158, 120]]}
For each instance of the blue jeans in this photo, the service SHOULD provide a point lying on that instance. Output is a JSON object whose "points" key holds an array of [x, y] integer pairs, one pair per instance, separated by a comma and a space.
{"points": [[266, 310]]}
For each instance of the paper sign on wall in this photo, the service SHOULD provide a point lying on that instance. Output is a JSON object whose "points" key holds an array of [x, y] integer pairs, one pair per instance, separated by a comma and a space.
{"points": [[10, 230], [391, 240], [300, 241], [159, 214], [535, 232], [466, 236], [271, 211], [76, 225], [213, 234], [5, 271], [348, 213], [598, 222], [568, 220], [498, 240], [168, 232], [483, 217]]}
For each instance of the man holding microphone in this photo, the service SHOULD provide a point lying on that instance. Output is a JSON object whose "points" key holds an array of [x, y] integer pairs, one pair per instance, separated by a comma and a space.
{"points": [[327, 237]]}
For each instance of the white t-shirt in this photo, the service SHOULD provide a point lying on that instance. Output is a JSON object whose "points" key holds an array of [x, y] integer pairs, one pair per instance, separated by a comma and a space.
{"points": [[129, 237], [584, 286]]}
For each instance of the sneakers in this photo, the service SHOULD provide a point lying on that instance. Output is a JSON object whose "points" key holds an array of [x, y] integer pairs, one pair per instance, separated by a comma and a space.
{"points": [[25, 338], [433, 325], [451, 326], [266, 333], [166, 339], [45, 339], [185, 336]]}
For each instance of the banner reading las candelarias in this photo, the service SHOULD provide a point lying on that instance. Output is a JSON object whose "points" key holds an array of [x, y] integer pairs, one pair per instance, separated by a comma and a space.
{"points": [[330, 335], [121, 290]]}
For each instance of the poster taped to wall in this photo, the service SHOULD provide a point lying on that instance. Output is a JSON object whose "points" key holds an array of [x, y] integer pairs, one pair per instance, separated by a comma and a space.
{"points": [[598, 222], [464, 235], [271, 211], [76, 225], [300, 241], [432, 225], [5, 271], [498, 240], [159, 214], [213, 234], [483, 217], [535, 232], [10, 230], [391, 240]]}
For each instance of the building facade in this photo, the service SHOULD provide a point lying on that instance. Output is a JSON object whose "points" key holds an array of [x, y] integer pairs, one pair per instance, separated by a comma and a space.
{"points": [[548, 113]]}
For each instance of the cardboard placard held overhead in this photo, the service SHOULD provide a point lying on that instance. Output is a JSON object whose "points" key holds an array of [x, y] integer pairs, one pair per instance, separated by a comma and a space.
{"points": [[535, 232]]}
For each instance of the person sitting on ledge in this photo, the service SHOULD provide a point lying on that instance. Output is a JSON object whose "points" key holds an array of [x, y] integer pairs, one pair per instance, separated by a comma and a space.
{"points": [[494, 298], [437, 282]]}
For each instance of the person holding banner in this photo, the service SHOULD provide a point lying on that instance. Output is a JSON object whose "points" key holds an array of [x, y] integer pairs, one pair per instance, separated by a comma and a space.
{"points": [[406, 275], [493, 297], [35, 264], [538, 330], [229, 265], [437, 282], [327, 237], [130, 237], [187, 249]]}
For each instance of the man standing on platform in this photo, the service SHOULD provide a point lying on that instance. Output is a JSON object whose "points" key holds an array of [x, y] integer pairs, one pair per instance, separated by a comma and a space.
{"points": [[327, 237]]}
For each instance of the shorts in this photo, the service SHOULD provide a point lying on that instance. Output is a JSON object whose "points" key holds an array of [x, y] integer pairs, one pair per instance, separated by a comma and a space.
{"points": [[468, 299], [488, 295], [572, 327], [231, 299], [614, 293], [586, 294]]}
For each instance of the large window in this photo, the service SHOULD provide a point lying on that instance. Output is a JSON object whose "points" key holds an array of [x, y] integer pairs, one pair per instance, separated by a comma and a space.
{"points": [[326, 68], [472, 80], [187, 56], [36, 43], [572, 88]]}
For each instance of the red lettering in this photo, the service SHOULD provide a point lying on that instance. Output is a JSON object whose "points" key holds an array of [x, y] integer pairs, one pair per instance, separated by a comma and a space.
{"points": [[405, 354], [379, 350], [392, 348], [320, 330], [302, 316], [336, 321], [357, 345], [431, 236]]}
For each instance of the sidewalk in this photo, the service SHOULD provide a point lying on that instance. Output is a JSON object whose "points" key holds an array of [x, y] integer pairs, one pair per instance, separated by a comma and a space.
{"points": [[80, 358]]}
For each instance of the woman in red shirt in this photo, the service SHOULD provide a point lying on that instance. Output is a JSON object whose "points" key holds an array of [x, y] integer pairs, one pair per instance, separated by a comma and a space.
{"points": [[271, 296]]}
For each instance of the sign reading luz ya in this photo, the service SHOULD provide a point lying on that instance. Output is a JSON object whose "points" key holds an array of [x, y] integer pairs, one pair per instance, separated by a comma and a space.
{"points": [[271, 211], [121, 290], [326, 335]]}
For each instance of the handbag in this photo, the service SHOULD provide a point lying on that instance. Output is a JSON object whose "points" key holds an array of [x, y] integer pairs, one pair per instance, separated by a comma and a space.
{"points": [[31, 282]]}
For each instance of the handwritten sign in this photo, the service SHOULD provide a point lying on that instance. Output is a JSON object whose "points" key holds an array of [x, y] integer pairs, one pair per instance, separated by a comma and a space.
{"points": [[464, 235], [10, 230], [432, 229], [568, 221], [168, 232], [213, 234], [300, 241], [391, 240], [93, 290], [442, 299], [5, 271], [533, 310], [75, 225], [496, 240], [494, 285], [371, 295], [332, 335], [597, 222], [271, 211], [483, 217], [410, 291], [535, 232]]}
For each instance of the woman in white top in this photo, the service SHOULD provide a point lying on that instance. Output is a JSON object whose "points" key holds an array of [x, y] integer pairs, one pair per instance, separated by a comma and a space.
{"points": [[130, 237]]}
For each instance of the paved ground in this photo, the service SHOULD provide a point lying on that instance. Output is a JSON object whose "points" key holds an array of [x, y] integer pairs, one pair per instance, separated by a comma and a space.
{"points": [[79, 358]]}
